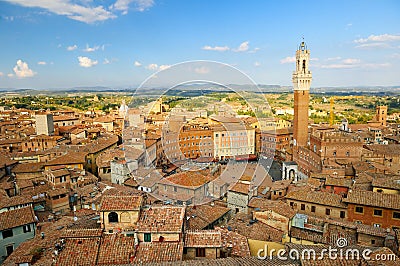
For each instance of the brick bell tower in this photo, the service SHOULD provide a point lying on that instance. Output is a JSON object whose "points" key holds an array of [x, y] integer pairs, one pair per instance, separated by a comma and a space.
{"points": [[301, 83]]}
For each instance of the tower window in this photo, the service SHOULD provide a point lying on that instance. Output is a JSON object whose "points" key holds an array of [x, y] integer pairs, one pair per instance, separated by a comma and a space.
{"points": [[304, 66]]}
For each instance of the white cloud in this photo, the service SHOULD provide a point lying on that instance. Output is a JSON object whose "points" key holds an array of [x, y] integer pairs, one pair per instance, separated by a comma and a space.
{"points": [[1, 74], [376, 65], [137, 64], [22, 70], [351, 61], [156, 67], [10, 75], [395, 55], [379, 38], [163, 67], [87, 14], [152, 67], [254, 50], [216, 48], [354, 63], [288, 59], [257, 64], [338, 66], [43, 63], [91, 49], [381, 45], [140, 5], [72, 47], [243, 47], [106, 61], [345, 63], [202, 70], [86, 61], [333, 58]]}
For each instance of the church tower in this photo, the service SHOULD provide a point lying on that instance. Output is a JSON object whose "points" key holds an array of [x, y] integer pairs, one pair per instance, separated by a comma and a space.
{"points": [[301, 83]]}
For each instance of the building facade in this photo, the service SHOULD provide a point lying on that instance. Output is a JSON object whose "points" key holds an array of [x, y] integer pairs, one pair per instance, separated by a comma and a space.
{"points": [[301, 83]]}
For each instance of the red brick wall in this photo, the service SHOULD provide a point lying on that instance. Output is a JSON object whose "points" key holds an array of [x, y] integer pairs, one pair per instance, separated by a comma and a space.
{"points": [[386, 221], [300, 130]]}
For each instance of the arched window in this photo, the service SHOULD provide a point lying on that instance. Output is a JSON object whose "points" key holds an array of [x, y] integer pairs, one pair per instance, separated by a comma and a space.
{"points": [[113, 217]]}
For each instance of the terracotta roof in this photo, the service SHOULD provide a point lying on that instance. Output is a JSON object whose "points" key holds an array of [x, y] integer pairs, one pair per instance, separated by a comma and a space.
{"points": [[104, 158], [232, 261], [57, 191], [15, 218], [317, 197], [237, 242], [61, 172], [390, 182], [63, 118], [372, 230], [162, 219], [15, 201], [121, 203], [203, 238], [70, 158], [116, 249], [202, 216], [240, 188], [279, 207], [338, 182], [187, 179], [158, 252], [257, 230], [104, 119], [28, 168], [5, 160], [375, 199], [79, 251], [82, 233], [390, 149]]}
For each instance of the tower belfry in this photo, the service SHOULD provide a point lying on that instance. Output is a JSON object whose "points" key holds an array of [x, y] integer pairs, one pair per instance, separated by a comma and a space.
{"points": [[301, 83]]}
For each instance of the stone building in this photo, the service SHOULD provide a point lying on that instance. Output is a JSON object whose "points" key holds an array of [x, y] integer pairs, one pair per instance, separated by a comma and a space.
{"points": [[16, 226], [120, 213], [44, 124]]}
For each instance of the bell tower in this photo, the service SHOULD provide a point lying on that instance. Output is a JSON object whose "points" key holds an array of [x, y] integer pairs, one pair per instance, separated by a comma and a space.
{"points": [[301, 83]]}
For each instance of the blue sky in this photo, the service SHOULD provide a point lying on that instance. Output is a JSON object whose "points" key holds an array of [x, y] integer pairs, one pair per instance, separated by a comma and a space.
{"points": [[68, 43]]}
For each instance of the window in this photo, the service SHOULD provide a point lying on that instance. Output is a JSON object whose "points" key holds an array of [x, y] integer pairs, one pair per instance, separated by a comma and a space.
{"points": [[147, 237], [9, 249], [302, 207], [373, 241], [342, 214], [377, 225], [291, 204], [377, 212], [396, 215], [113, 217], [359, 209], [312, 208], [334, 153], [200, 252], [7, 233], [27, 228], [328, 211]]}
